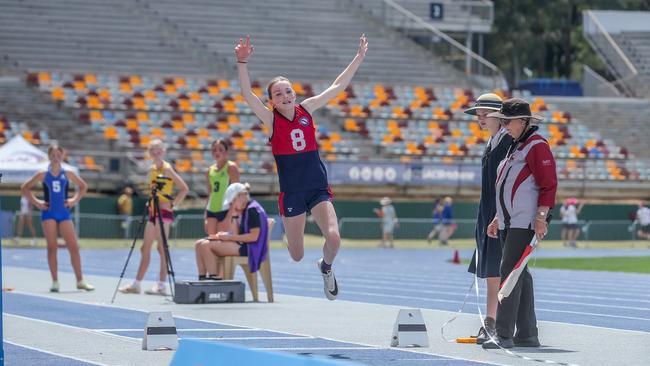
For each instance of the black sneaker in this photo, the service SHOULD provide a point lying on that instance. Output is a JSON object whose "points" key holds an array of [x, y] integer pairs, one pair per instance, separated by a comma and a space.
{"points": [[526, 341], [484, 334], [501, 342]]}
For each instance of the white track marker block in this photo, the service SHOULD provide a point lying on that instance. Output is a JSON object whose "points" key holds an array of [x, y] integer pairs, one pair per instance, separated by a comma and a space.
{"points": [[410, 330], [160, 332]]}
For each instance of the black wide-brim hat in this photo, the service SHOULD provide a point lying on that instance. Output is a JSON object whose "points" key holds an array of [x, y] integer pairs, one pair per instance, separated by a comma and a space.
{"points": [[515, 108]]}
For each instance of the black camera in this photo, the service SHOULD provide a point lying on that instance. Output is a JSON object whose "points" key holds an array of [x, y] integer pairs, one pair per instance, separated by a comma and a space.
{"points": [[160, 181]]}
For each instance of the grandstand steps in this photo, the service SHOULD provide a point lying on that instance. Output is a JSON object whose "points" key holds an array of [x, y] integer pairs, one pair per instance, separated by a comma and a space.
{"points": [[89, 35], [623, 120], [320, 36]]}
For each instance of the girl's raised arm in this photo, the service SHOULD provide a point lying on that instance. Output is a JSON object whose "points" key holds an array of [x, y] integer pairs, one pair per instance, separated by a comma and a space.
{"points": [[243, 52], [341, 82]]}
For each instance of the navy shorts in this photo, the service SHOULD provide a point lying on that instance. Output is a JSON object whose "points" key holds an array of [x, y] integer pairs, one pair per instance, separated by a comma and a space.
{"points": [[219, 216], [296, 203], [243, 249], [58, 216]]}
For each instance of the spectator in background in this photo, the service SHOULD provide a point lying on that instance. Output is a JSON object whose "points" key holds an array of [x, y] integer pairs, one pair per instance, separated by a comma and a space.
{"points": [[487, 257], [25, 218], [125, 202], [125, 208], [448, 224], [570, 228], [437, 220], [388, 222], [643, 220], [525, 192]]}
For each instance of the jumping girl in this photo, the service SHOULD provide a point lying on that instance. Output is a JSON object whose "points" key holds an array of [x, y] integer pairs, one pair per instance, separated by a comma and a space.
{"points": [[303, 179]]}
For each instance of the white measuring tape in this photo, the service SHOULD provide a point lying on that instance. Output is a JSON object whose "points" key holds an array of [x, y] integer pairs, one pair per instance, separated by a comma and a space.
{"points": [[480, 314]]}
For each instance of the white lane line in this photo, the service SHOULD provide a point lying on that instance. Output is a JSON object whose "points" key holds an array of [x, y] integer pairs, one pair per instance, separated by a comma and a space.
{"points": [[363, 346], [54, 353], [593, 314], [429, 299], [181, 330], [401, 285], [393, 290], [597, 283], [315, 348], [5, 313], [247, 338]]}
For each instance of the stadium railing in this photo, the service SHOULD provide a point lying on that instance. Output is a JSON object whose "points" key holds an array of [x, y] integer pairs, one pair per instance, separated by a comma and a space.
{"points": [[475, 67], [190, 226], [601, 40]]}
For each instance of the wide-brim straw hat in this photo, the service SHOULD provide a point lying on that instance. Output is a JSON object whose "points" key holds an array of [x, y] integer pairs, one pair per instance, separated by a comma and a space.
{"points": [[515, 108]]}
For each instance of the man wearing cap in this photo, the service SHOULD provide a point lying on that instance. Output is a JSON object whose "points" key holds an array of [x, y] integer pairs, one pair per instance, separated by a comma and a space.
{"points": [[247, 235], [525, 192], [487, 257]]}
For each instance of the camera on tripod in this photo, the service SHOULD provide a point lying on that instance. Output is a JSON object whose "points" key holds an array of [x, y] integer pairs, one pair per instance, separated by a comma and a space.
{"points": [[160, 182]]}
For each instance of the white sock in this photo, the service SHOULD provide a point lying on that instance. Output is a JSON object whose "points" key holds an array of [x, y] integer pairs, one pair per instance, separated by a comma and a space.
{"points": [[136, 283], [161, 285]]}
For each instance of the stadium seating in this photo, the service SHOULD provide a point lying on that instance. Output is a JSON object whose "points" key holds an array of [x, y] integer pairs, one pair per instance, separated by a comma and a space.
{"points": [[9, 129], [404, 122]]}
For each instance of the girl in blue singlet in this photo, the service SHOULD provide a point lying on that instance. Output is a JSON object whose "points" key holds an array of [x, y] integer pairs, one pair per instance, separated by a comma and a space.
{"points": [[55, 213], [303, 179]]}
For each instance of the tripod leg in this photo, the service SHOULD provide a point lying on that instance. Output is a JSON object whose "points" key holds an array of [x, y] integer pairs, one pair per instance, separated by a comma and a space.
{"points": [[135, 238], [170, 269]]}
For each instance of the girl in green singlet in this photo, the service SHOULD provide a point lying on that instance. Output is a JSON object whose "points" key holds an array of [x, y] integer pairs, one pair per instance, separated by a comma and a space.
{"points": [[219, 176]]}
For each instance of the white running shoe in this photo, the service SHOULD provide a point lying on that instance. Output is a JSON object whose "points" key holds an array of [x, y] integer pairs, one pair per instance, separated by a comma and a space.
{"points": [[330, 286], [156, 290]]}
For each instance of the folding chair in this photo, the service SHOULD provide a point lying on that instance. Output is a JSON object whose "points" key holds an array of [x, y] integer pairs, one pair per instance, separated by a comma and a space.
{"points": [[230, 263]]}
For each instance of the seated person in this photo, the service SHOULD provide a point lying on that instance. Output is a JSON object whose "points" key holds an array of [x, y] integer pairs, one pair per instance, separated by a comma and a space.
{"points": [[247, 235]]}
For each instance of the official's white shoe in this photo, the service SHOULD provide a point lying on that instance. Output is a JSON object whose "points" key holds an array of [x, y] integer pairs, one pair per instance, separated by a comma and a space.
{"points": [[330, 286]]}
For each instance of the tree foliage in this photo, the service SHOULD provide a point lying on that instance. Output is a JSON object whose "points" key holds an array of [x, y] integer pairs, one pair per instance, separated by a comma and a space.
{"points": [[546, 36]]}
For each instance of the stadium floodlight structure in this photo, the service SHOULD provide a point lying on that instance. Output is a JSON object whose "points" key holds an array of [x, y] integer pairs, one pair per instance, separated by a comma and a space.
{"points": [[478, 16], [601, 40]]}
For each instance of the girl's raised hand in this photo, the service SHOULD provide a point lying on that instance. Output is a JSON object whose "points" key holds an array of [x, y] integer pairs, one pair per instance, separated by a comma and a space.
{"points": [[244, 49], [363, 46]]}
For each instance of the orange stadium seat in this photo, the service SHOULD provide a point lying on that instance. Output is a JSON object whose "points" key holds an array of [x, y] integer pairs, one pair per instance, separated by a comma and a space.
{"points": [[135, 80], [90, 79], [126, 88], [90, 164], [44, 78], [350, 125], [144, 140], [139, 103], [110, 133], [158, 132], [58, 93]]}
